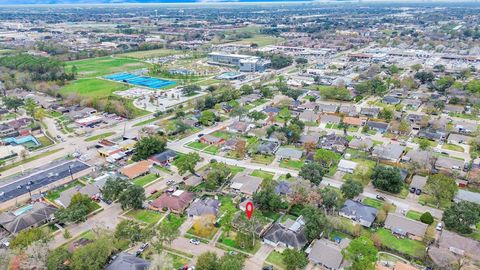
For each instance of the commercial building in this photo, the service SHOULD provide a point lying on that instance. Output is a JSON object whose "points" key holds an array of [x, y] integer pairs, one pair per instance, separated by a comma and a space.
{"points": [[246, 63]]}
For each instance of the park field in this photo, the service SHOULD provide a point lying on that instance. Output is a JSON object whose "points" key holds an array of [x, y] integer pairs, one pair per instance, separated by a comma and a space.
{"points": [[150, 53], [260, 40], [97, 88], [102, 66]]}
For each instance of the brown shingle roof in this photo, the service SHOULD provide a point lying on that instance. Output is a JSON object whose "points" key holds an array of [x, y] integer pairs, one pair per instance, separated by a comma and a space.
{"points": [[136, 169]]}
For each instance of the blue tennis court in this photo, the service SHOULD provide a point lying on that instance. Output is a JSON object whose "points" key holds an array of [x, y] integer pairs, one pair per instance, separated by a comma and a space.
{"points": [[150, 82]]}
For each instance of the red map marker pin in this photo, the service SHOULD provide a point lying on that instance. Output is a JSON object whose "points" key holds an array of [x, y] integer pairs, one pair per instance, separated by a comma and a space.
{"points": [[249, 209]]}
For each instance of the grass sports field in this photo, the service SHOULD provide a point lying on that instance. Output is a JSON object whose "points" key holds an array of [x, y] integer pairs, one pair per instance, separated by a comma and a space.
{"points": [[150, 53], [101, 66], [93, 88], [260, 40]]}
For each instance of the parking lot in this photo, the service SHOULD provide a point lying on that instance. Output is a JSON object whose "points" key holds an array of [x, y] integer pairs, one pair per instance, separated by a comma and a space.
{"points": [[39, 179]]}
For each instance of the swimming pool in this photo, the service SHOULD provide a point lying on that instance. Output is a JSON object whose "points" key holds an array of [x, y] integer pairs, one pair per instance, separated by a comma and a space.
{"points": [[23, 210], [150, 82], [22, 140]]}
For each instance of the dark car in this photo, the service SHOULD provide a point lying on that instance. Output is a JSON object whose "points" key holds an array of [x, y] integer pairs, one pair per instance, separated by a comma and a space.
{"points": [[412, 190], [418, 191], [267, 267]]}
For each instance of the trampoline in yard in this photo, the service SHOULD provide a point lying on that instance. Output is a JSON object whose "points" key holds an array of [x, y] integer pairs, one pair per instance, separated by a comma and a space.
{"points": [[150, 82]]}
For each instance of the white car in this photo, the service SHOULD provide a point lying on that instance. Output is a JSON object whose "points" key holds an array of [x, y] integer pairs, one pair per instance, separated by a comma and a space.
{"points": [[439, 227], [194, 241]]}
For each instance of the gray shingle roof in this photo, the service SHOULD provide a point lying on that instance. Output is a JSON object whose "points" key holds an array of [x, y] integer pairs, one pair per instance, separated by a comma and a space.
{"points": [[402, 225], [125, 261]]}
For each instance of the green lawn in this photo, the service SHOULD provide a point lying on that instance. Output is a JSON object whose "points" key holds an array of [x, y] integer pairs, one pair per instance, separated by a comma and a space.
{"points": [[44, 141], [150, 53], [414, 215], [402, 245], [292, 164], [99, 136], [145, 180], [212, 149], [263, 159], [432, 144], [209, 236], [92, 88], [173, 221], [276, 258], [101, 66], [222, 134], [262, 174], [146, 122], [207, 82], [373, 202], [261, 40], [144, 215], [453, 147], [230, 242], [55, 193], [197, 145], [236, 169]]}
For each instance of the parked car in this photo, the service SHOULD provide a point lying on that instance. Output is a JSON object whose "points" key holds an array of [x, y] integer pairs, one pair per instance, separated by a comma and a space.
{"points": [[170, 182], [153, 192], [418, 191], [379, 197], [142, 248], [412, 190], [439, 227], [194, 241]]}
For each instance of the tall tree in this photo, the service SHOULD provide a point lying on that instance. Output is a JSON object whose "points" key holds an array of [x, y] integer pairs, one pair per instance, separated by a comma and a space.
{"points": [[207, 261], [294, 259], [461, 217], [361, 253], [315, 222], [132, 197], [187, 162], [92, 256], [149, 146], [387, 178], [351, 188], [441, 187], [313, 172], [113, 188]]}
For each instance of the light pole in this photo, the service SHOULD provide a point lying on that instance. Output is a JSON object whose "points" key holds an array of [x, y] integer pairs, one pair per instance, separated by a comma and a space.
{"points": [[70, 171]]}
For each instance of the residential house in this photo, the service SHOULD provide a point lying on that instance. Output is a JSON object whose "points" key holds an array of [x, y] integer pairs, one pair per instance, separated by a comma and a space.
{"points": [[290, 234], [353, 121], [193, 180], [405, 227], [418, 156], [412, 104], [310, 138], [33, 215], [328, 254], [334, 142], [240, 127], [468, 196], [418, 182], [451, 246], [347, 166], [268, 147], [361, 144], [176, 202], [327, 108], [308, 116], [7, 131], [446, 163], [283, 188], [434, 135], [454, 138], [202, 207], [312, 106], [330, 119], [378, 126], [450, 108], [390, 152], [90, 190], [464, 126], [391, 100], [212, 140], [126, 261], [230, 144], [164, 158], [358, 212], [370, 112], [246, 184], [288, 153], [137, 169], [350, 110]]}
